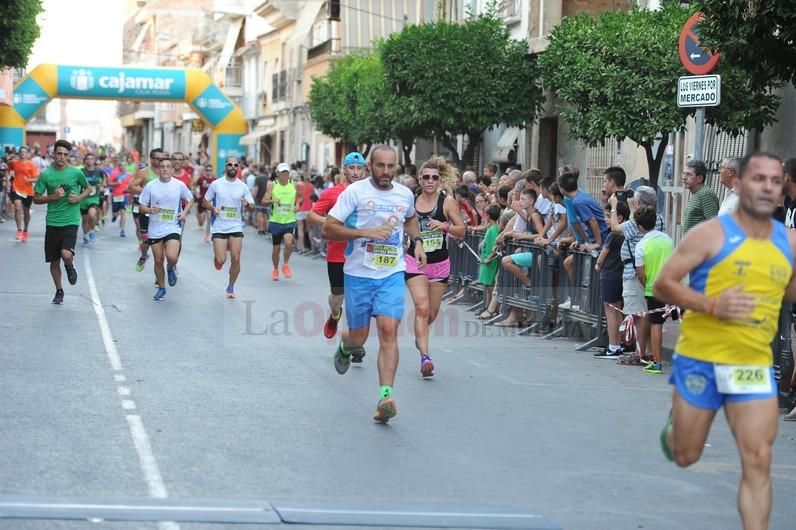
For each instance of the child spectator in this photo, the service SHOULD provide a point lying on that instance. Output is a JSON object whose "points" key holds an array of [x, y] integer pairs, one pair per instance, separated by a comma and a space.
{"points": [[588, 212], [488, 269], [609, 265], [652, 252]]}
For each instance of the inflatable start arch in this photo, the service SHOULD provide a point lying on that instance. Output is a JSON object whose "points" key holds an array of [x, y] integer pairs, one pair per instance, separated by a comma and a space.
{"points": [[192, 86]]}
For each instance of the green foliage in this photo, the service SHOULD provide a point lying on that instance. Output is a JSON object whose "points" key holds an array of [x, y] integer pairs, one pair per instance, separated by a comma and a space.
{"points": [[616, 77], [18, 31], [452, 79], [350, 101], [758, 35]]}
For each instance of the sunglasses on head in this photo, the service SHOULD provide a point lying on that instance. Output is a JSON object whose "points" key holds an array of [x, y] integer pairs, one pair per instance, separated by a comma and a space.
{"points": [[430, 177], [230, 164]]}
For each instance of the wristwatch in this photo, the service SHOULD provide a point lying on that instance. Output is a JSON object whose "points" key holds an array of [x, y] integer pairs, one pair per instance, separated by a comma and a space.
{"points": [[416, 239]]}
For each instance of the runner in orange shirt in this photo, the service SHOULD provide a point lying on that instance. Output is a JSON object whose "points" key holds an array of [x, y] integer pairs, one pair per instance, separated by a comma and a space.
{"points": [[25, 175]]}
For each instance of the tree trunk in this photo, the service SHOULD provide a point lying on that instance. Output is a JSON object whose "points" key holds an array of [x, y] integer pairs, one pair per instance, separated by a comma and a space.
{"points": [[447, 142], [473, 143], [654, 160], [366, 150], [406, 147]]}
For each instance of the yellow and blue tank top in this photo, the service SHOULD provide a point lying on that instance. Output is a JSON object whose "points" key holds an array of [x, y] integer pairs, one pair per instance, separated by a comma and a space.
{"points": [[284, 212], [763, 268]]}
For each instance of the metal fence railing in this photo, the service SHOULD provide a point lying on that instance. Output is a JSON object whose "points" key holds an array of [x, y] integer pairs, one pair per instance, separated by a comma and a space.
{"points": [[559, 307]]}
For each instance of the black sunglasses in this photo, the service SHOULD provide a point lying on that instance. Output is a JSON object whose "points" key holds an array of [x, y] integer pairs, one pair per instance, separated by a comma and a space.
{"points": [[430, 177], [230, 164]]}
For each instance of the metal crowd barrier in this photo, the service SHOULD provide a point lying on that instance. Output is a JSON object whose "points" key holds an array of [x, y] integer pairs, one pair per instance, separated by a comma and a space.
{"points": [[782, 350], [550, 286], [464, 269]]}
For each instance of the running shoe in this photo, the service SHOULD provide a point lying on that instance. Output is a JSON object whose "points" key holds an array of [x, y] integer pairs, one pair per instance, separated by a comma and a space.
{"points": [[357, 354], [426, 366], [59, 297], [275, 275], [385, 410], [330, 327], [207, 238], [71, 275], [667, 428], [25, 235], [172, 273], [653, 368], [160, 294], [122, 234], [85, 241], [342, 361], [140, 265], [217, 265], [99, 226], [92, 237], [19, 235], [230, 291], [608, 353], [287, 271]]}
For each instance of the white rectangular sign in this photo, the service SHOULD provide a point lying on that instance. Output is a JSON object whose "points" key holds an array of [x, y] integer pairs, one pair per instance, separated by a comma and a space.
{"points": [[699, 91]]}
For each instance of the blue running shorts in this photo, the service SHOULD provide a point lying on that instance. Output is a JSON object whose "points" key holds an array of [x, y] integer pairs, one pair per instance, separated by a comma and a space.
{"points": [[366, 298]]}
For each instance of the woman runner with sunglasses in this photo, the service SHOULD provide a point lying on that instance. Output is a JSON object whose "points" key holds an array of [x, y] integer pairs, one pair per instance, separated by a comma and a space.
{"points": [[438, 214]]}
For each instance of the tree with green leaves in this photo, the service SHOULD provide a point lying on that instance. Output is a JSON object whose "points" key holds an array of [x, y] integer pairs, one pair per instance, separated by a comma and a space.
{"points": [[18, 32], [758, 35], [615, 76], [349, 102], [461, 79]]}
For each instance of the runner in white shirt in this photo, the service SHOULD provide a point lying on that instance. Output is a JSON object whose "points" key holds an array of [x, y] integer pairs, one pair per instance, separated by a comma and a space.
{"points": [[162, 200], [372, 215], [227, 199]]}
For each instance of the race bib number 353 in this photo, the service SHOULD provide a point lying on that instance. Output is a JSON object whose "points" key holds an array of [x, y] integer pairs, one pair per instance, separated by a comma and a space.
{"points": [[732, 379]]}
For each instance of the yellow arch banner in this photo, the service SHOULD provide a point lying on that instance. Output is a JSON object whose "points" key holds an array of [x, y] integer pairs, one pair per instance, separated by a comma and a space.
{"points": [[190, 85]]}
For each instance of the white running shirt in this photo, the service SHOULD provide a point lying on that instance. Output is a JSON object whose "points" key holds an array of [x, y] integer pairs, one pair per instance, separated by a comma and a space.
{"points": [[227, 195], [166, 196], [363, 205]]}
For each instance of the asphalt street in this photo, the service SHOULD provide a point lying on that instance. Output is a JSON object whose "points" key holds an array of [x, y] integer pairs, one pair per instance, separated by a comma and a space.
{"points": [[113, 395]]}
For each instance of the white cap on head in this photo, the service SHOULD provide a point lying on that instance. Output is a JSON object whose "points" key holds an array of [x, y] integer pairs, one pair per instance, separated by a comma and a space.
{"points": [[282, 167]]}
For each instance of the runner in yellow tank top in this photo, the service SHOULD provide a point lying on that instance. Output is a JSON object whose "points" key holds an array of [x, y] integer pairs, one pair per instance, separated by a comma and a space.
{"points": [[741, 267], [283, 196]]}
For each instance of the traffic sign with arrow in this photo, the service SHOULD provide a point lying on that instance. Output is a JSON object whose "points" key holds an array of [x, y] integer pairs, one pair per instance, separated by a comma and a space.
{"points": [[696, 58]]}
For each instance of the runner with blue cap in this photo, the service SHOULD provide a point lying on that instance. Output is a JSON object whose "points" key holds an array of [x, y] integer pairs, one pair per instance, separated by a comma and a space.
{"points": [[354, 169]]}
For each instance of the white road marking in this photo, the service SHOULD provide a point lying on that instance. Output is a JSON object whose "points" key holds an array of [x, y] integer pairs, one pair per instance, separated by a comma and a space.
{"points": [[105, 330], [119, 378], [131, 507], [146, 458], [509, 380], [475, 363]]}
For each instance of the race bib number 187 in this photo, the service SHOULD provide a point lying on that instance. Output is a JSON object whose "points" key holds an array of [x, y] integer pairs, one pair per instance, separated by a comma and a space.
{"points": [[380, 257]]}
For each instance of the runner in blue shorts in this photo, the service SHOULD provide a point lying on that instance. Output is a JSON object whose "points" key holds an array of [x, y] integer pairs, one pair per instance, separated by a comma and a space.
{"points": [[372, 215]]}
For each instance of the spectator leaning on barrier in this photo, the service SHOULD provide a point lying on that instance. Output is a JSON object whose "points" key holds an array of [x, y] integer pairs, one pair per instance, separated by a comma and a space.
{"points": [[588, 212], [518, 262], [703, 203], [609, 266], [632, 291], [652, 252], [728, 172], [488, 267]]}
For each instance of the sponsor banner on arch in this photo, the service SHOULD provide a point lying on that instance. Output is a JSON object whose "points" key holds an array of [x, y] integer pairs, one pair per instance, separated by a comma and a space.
{"points": [[121, 83]]}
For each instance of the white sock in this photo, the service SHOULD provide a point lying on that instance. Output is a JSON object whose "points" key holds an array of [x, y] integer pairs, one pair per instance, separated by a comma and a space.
{"points": [[614, 347]]}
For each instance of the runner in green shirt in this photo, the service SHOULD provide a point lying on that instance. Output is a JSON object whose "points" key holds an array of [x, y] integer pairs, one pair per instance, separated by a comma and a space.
{"points": [[90, 206], [61, 187]]}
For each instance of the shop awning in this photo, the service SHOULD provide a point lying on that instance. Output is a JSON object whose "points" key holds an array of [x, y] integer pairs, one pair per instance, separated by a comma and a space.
{"points": [[505, 145]]}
